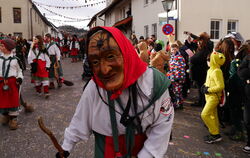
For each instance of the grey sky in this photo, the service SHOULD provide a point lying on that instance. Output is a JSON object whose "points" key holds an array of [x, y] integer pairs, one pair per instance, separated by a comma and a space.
{"points": [[79, 13]]}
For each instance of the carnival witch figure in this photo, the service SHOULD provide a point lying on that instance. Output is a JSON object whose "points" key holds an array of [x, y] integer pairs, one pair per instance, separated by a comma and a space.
{"points": [[55, 71], [55, 57], [10, 77], [126, 105], [74, 49], [39, 60]]}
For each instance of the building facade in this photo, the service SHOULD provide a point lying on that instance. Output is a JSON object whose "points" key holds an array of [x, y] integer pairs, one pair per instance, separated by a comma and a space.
{"points": [[21, 17], [216, 17], [116, 14]]}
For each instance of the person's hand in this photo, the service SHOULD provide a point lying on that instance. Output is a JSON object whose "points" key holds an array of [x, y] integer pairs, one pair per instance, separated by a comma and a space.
{"points": [[47, 69], [19, 81], [65, 154], [204, 89], [187, 32]]}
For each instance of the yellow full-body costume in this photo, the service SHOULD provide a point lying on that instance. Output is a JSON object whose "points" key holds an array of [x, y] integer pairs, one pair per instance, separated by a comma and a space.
{"points": [[215, 84]]}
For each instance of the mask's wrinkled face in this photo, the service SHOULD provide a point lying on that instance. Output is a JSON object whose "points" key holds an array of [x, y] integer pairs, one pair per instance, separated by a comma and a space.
{"points": [[106, 60]]}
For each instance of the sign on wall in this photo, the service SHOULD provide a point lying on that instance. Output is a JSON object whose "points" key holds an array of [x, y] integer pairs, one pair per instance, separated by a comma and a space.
{"points": [[167, 29]]}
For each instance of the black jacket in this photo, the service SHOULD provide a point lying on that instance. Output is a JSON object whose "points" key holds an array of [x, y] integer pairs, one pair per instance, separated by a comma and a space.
{"points": [[244, 74], [198, 63]]}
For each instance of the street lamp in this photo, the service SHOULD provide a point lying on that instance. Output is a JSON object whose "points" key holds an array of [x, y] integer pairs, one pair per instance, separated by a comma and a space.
{"points": [[167, 6]]}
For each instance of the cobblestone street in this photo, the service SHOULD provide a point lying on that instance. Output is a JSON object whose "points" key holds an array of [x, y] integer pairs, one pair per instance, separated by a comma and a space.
{"points": [[30, 142]]}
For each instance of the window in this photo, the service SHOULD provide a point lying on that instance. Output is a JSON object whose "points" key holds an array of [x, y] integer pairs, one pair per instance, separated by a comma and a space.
{"points": [[17, 15], [153, 1], [145, 2], [0, 15], [154, 29], [215, 29], [232, 26], [146, 31], [123, 13]]}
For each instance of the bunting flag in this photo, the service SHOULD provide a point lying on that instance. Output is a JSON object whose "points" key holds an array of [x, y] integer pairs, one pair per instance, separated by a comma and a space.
{"points": [[79, 0], [70, 7], [58, 20], [76, 19]]}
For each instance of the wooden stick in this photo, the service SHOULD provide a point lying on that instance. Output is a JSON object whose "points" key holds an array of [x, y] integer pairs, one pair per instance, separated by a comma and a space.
{"points": [[51, 136]]}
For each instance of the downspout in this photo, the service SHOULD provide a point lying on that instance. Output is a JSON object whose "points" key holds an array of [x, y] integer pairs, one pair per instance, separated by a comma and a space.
{"points": [[31, 24], [176, 21], [28, 21]]}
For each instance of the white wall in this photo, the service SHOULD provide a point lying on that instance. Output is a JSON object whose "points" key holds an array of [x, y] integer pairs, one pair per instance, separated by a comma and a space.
{"points": [[100, 21], [197, 14], [194, 16]]}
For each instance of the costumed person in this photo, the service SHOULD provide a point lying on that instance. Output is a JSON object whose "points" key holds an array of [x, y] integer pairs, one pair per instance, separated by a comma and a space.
{"points": [[159, 58], [143, 52], [20, 51], [39, 60], [213, 89], [177, 75], [74, 49], [126, 105], [55, 71], [21, 54], [244, 74], [186, 53], [65, 46], [11, 77], [87, 73]]}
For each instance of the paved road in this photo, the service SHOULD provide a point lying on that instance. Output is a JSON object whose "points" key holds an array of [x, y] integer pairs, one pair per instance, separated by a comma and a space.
{"points": [[30, 142]]}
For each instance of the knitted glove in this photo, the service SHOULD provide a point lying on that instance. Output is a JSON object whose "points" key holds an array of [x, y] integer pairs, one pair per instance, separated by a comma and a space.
{"points": [[204, 89], [19, 81], [65, 154]]}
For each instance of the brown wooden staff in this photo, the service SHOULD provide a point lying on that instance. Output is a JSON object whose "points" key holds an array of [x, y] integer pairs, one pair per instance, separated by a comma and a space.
{"points": [[56, 74], [51, 136]]}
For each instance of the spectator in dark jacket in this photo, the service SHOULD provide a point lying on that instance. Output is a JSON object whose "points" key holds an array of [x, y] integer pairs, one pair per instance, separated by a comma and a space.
{"points": [[244, 74], [226, 47], [236, 95], [190, 43], [198, 62]]}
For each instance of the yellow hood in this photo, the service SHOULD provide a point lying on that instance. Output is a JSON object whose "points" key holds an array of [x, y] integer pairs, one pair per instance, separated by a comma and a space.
{"points": [[217, 60]]}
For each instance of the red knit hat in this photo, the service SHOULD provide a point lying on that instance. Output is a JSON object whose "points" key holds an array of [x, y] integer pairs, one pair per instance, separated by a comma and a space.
{"points": [[8, 43]]}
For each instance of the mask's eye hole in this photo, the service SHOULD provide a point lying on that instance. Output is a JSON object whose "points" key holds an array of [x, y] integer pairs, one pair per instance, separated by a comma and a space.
{"points": [[110, 57], [95, 62], [99, 43]]}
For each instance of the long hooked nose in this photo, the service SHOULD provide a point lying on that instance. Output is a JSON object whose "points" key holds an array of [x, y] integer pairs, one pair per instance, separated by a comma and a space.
{"points": [[105, 67]]}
